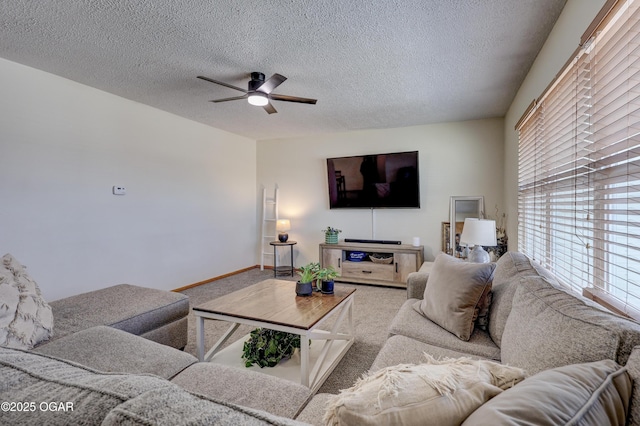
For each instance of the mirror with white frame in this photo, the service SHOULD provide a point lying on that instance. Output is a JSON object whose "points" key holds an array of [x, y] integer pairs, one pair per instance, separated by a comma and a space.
{"points": [[460, 209]]}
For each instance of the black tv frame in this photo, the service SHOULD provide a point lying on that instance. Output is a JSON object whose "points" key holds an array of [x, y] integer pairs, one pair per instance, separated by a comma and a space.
{"points": [[385, 180]]}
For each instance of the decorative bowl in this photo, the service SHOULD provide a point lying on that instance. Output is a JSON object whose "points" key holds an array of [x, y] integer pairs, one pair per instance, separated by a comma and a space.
{"points": [[381, 258]]}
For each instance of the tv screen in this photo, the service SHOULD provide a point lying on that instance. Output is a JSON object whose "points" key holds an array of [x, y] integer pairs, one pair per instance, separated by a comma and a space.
{"points": [[378, 180]]}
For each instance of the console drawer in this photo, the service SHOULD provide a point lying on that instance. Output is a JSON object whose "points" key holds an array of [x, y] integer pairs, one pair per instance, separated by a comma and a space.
{"points": [[406, 259], [364, 270]]}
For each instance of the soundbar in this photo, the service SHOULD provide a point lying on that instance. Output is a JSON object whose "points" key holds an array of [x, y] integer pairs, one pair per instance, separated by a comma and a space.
{"points": [[356, 240]]}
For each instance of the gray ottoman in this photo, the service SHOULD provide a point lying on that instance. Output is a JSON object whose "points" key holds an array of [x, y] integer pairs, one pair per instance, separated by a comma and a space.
{"points": [[157, 315]]}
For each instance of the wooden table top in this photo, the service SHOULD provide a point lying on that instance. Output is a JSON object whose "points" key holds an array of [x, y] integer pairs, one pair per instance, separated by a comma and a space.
{"points": [[275, 301], [286, 243]]}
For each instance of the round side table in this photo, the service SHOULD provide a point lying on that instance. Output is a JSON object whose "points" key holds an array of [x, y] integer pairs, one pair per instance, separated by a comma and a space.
{"points": [[282, 269]]}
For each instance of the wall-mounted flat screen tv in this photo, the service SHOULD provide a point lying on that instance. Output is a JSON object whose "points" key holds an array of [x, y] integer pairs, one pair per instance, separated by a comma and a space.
{"points": [[374, 181]]}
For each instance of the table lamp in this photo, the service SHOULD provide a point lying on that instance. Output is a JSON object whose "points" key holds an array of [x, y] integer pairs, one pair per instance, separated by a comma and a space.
{"points": [[282, 226], [478, 233]]}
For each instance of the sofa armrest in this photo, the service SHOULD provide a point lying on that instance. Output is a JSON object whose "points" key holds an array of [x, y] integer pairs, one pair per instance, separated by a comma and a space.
{"points": [[417, 281]]}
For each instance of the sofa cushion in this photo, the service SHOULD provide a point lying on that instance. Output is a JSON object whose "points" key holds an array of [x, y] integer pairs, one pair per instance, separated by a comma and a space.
{"points": [[405, 350], [408, 322], [314, 411], [549, 328], [108, 398], [244, 387], [445, 392], [172, 334], [595, 394], [633, 369], [453, 292], [110, 350], [134, 309], [25, 317], [509, 269]]}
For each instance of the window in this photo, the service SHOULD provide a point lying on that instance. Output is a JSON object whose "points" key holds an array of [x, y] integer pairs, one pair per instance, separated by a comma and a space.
{"points": [[579, 164]]}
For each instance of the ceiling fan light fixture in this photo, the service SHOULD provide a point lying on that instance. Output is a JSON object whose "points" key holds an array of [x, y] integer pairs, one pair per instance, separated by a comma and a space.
{"points": [[259, 92], [258, 99]]}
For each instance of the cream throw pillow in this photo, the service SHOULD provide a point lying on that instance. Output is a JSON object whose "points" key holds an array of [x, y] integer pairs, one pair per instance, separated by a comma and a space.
{"points": [[25, 317], [445, 392], [453, 293]]}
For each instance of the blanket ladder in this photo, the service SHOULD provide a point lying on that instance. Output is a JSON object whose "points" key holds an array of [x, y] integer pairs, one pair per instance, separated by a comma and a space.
{"points": [[269, 219]]}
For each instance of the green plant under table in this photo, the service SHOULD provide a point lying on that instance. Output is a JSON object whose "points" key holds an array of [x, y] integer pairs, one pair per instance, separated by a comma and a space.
{"points": [[267, 348]]}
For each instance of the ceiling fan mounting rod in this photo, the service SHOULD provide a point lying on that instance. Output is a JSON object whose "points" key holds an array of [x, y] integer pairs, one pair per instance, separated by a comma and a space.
{"points": [[257, 80], [257, 76]]}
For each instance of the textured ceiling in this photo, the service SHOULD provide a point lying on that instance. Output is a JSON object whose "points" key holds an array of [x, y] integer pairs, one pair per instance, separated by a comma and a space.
{"points": [[370, 64]]}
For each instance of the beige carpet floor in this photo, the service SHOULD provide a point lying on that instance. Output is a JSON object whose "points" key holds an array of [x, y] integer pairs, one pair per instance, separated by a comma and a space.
{"points": [[374, 307]]}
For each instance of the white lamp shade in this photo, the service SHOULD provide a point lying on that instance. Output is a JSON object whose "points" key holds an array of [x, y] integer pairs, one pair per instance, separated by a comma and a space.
{"points": [[283, 225], [258, 99], [479, 232]]}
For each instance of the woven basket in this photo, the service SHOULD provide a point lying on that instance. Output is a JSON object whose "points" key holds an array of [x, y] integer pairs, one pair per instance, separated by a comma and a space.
{"points": [[379, 259]]}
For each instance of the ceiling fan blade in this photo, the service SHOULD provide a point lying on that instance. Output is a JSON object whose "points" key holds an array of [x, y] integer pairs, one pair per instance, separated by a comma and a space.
{"points": [[293, 99], [273, 82], [221, 83], [235, 98], [269, 108]]}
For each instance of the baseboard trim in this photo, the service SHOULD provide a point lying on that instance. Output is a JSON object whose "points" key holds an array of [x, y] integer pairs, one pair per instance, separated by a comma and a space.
{"points": [[210, 280]]}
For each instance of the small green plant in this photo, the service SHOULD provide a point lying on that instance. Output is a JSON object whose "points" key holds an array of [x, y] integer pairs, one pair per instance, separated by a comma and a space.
{"points": [[331, 230], [328, 274], [309, 272], [268, 347]]}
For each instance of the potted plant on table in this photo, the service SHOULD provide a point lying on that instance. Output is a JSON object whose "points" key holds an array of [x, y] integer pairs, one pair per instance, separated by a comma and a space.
{"points": [[308, 274], [326, 277], [331, 235]]}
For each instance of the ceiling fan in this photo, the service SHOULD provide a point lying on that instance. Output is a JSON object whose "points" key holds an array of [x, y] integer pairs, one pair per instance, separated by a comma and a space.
{"points": [[259, 92]]}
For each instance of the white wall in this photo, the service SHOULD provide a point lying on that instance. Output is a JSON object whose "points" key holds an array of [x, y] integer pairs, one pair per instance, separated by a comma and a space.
{"points": [[561, 43], [463, 158], [189, 213]]}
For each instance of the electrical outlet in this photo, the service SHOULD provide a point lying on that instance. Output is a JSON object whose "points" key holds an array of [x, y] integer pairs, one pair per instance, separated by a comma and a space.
{"points": [[119, 190]]}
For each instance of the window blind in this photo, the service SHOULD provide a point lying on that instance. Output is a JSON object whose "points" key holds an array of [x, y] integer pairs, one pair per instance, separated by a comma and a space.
{"points": [[579, 165]]}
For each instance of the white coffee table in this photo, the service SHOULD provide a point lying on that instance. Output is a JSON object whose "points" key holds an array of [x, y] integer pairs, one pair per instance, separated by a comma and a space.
{"points": [[273, 304]]}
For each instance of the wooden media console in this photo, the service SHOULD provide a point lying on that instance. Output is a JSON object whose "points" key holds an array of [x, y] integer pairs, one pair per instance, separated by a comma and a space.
{"points": [[405, 259]]}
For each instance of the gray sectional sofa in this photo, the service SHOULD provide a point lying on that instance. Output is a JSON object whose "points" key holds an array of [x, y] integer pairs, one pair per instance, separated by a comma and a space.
{"points": [[115, 356], [533, 324], [570, 349]]}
